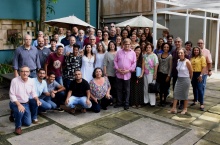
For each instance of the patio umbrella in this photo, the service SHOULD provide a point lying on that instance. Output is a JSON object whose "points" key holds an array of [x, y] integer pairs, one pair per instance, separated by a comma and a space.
{"points": [[68, 22], [140, 21]]}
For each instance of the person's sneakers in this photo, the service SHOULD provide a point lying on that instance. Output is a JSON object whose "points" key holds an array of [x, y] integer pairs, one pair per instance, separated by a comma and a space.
{"points": [[126, 107], [117, 106], [72, 111], [18, 131], [35, 121], [83, 110], [59, 109]]}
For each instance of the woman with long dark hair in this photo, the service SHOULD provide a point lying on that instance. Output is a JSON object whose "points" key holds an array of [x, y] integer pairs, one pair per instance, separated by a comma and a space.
{"points": [[137, 82]]}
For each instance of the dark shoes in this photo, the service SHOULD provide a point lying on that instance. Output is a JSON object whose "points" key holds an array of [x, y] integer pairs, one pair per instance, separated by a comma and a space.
{"points": [[11, 118], [18, 131], [35, 121], [126, 107], [202, 108], [59, 109], [72, 111], [117, 106], [83, 110]]}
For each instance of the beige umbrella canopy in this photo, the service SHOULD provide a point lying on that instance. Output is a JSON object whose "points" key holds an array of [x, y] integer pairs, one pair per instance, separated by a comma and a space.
{"points": [[68, 22], [140, 21]]}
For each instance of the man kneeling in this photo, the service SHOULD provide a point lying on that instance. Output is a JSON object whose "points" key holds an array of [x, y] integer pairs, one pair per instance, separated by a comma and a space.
{"points": [[78, 94]]}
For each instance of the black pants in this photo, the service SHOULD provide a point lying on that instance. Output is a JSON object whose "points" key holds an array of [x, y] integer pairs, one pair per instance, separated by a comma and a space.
{"points": [[112, 81], [164, 86], [103, 103], [123, 86]]}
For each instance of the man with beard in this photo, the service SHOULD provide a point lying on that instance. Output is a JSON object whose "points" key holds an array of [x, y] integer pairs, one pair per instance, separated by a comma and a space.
{"points": [[78, 94], [69, 48], [43, 52], [80, 39], [65, 41], [55, 63]]}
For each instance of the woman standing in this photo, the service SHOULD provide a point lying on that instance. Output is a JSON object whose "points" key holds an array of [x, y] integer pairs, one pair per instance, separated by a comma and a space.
{"points": [[99, 34], [164, 72], [148, 35], [137, 82], [159, 50], [100, 91], [124, 34], [109, 70], [134, 43], [198, 63], [88, 61], [181, 89], [150, 66], [105, 39], [143, 47], [118, 43], [100, 55]]}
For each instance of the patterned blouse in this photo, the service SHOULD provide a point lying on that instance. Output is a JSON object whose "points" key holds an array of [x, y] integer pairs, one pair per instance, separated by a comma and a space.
{"points": [[99, 91]]}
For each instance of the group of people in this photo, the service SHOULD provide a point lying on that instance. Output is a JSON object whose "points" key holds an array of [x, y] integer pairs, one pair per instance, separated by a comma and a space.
{"points": [[97, 69]]}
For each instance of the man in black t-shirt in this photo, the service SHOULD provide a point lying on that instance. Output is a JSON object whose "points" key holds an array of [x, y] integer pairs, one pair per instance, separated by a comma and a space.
{"points": [[78, 94]]}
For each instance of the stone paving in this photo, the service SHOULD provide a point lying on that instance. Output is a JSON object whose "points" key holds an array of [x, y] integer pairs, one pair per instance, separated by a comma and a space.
{"points": [[146, 125]]}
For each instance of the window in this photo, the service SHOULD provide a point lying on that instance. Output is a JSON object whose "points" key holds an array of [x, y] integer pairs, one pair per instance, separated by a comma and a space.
{"points": [[27, 24], [33, 34], [28, 32], [32, 24]]}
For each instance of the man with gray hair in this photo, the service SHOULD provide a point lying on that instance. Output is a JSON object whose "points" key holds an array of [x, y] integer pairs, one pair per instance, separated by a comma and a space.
{"points": [[40, 34], [26, 55], [112, 35], [91, 32], [80, 39]]}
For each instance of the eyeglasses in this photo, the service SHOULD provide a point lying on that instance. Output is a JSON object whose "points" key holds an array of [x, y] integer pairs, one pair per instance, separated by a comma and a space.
{"points": [[25, 71], [112, 26], [199, 43], [91, 39]]}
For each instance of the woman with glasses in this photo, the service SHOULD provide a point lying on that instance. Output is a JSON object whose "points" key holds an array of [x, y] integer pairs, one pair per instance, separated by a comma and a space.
{"points": [[99, 34], [105, 40]]}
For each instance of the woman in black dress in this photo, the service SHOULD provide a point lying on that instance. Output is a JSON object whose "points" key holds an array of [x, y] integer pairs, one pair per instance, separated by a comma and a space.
{"points": [[137, 82]]}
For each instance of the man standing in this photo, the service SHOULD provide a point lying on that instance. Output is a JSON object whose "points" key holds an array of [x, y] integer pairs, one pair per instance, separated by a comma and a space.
{"points": [[40, 34], [91, 33], [55, 62], [43, 52], [69, 48], [56, 91], [125, 63], [53, 44], [112, 34], [80, 39], [79, 94], [66, 41], [73, 63], [92, 41], [61, 34], [75, 31], [46, 42], [56, 37], [21, 88], [206, 53], [26, 55]]}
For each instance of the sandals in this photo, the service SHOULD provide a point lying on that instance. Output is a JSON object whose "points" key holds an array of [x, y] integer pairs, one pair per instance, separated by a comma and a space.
{"points": [[184, 112], [172, 111]]}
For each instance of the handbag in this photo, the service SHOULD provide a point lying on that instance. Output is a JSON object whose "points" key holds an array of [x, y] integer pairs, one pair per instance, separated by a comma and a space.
{"points": [[153, 87]]}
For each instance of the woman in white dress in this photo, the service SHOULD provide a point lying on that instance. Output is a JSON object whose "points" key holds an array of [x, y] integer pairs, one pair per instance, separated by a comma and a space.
{"points": [[88, 61], [118, 43], [100, 55], [105, 41]]}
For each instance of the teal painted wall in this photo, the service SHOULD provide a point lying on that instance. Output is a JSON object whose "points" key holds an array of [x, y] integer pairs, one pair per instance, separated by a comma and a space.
{"points": [[6, 56], [30, 9]]}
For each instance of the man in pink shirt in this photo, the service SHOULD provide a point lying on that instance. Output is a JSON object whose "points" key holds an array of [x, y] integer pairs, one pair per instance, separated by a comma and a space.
{"points": [[21, 88], [208, 70], [125, 63]]}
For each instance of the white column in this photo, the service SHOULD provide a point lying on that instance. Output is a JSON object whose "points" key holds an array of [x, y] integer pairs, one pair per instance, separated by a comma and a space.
{"points": [[204, 29], [187, 26], [217, 44], [155, 24]]}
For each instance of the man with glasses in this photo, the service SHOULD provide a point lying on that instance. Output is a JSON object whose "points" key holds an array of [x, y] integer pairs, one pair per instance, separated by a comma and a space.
{"points": [[92, 41], [40, 34], [91, 32], [80, 39], [69, 48], [21, 88], [125, 63], [46, 42], [26, 55]]}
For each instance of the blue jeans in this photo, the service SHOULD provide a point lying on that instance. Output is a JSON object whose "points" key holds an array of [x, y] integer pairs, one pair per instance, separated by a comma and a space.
{"points": [[47, 104], [204, 77], [33, 74], [66, 83], [73, 101], [59, 80], [102, 103], [33, 108], [59, 98], [21, 118], [198, 87]]}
